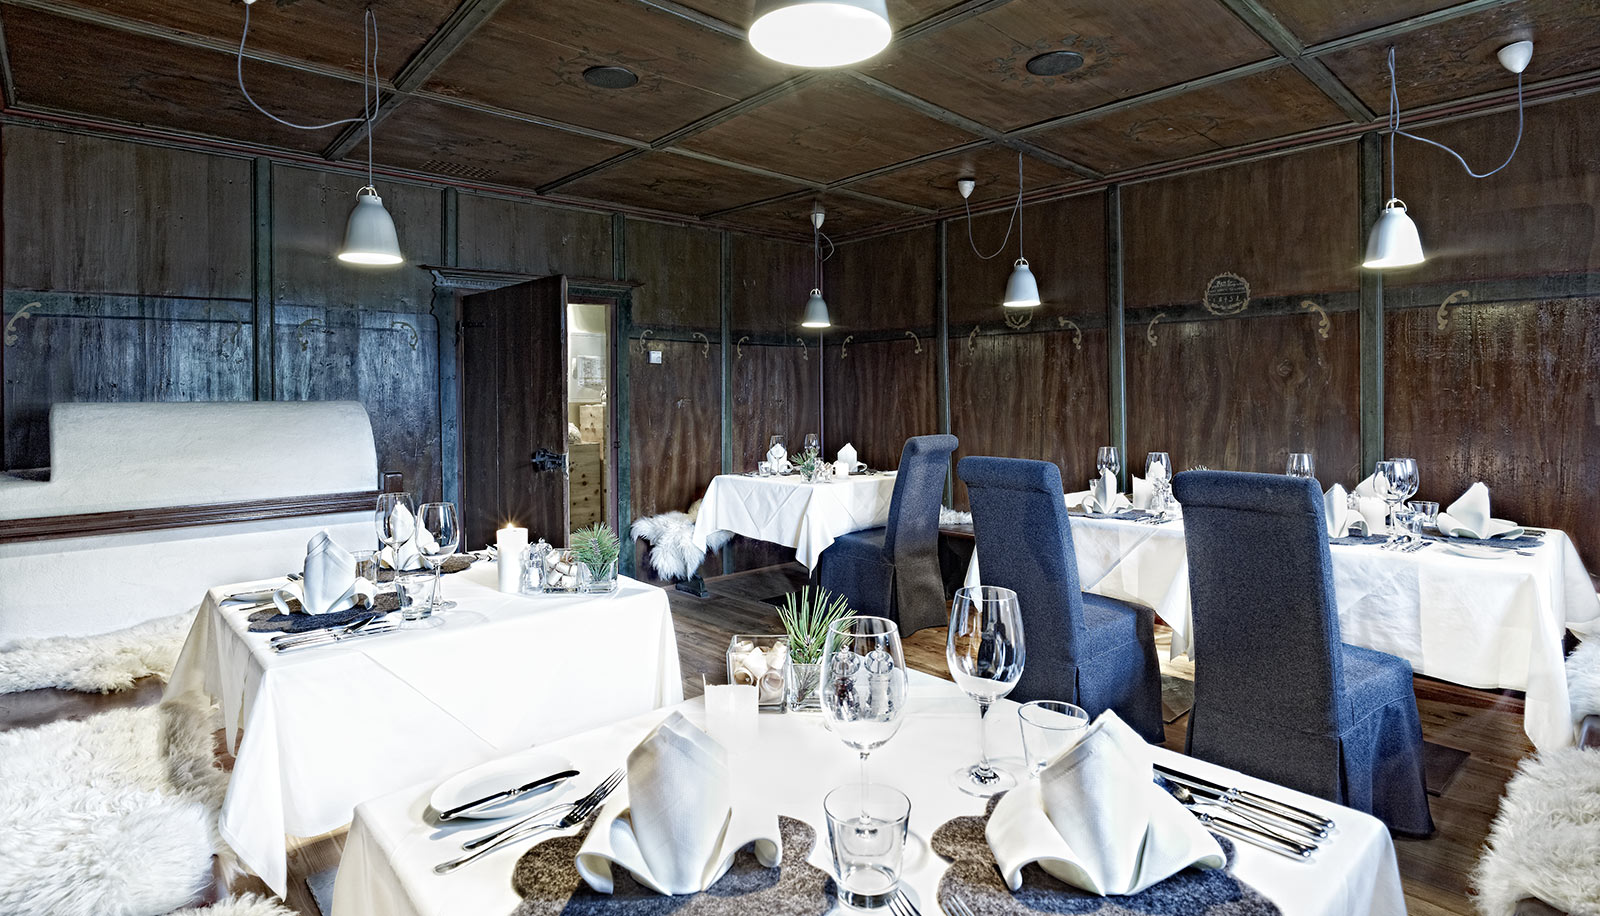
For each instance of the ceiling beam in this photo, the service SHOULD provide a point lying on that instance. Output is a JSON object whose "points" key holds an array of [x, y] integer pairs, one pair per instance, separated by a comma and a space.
{"points": [[8, 86], [1274, 33], [438, 48], [884, 90], [698, 18], [1415, 23], [513, 115]]}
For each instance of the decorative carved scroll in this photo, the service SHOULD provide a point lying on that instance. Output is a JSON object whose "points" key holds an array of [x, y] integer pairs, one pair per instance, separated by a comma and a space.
{"points": [[11, 336], [1444, 307], [705, 345], [844, 346], [1077, 332], [1150, 329], [915, 339], [1324, 324]]}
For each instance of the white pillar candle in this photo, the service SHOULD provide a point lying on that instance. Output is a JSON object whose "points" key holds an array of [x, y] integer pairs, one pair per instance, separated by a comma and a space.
{"points": [[510, 542]]}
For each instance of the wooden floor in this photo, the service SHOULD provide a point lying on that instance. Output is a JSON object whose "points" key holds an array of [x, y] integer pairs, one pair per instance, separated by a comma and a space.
{"points": [[1486, 724]]}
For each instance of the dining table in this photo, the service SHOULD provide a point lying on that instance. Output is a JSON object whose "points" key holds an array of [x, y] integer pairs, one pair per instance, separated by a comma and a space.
{"points": [[389, 856], [785, 509], [1495, 619], [316, 731]]}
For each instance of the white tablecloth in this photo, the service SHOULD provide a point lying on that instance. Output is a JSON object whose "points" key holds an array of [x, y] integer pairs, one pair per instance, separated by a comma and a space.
{"points": [[324, 729], [1495, 624], [791, 512], [387, 869]]}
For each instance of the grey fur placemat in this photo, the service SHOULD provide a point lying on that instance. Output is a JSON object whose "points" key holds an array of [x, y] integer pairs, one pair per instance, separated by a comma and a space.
{"points": [[974, 877], [454, 564], [270, 621], [548, 883]]}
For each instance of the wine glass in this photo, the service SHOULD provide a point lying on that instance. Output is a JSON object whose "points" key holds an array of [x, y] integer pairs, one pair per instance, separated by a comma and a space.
{"points": [[864, 683], [813, 443], [439, 534], [1409, 481], [1158, 471], [1107, 460], [778, 441], [396, 521], [1301, 465], [985, 654], [1388, 479]]}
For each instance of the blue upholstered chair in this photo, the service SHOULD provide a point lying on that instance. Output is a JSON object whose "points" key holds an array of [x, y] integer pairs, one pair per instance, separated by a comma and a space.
{"points": [[1097, 652], [1277, 694], [894, 571]]}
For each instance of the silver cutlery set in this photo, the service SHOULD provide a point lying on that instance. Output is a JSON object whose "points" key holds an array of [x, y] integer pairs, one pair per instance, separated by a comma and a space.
{"points": [[1405, 546], [360, 628], [571, 815], [1255, 819]]}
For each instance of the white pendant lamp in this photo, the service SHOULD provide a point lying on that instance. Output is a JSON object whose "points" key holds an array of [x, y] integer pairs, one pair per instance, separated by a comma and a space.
{"points": [[1022, 290], [816, 313], [369, 236], [820, 33], [1394, 241]]}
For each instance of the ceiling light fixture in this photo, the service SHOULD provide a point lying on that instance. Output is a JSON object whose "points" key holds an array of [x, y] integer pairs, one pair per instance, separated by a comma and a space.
{"points": [[816, 313], [1394, 240], [820, 33], [1022, 289], [611, 77], [369, 235]]}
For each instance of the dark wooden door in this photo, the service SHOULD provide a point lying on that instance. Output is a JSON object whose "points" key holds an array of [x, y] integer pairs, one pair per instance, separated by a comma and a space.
{"points": [[513, 372]]}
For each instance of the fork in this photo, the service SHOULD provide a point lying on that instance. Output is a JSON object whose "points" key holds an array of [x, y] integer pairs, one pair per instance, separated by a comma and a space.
{"points": [[597, 793], [957, 907], [901, 905], [580, 812], [284, 640]]}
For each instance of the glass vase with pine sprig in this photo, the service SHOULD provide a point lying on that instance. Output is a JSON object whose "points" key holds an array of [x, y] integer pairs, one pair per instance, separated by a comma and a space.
{"points": [[807, 615], [597, 549]]}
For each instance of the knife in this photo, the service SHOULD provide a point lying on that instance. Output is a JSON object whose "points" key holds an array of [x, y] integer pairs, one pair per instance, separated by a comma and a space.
{"points": [[553, 779], [1321, 825]]}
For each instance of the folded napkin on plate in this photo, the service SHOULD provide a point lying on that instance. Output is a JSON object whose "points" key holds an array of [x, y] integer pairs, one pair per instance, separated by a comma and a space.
{"points": [[847, 456], [1342, 520], [1371, 506], [675, 825], [1096, 819], [413, 540], [1468, 517], [1103, 496], [1144, 492], [328, 581], [777, 453]]}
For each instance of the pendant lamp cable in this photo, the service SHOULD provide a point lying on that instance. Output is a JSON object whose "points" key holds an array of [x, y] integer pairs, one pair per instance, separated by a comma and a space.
{"points": [[1016, 208], [817, 257], [1394, 129], [369, 66]]}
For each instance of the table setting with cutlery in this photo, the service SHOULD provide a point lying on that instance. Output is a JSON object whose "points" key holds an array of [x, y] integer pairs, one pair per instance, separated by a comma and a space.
{"points": [[709, 807]]}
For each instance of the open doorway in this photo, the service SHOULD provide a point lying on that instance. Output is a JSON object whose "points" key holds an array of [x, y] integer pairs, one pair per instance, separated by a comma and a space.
{"points": [[589, 380]]}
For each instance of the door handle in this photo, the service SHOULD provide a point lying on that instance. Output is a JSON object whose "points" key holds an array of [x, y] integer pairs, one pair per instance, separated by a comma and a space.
{"points": [[545, 460]]}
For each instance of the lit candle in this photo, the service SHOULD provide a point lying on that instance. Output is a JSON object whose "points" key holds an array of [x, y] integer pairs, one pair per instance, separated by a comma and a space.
{"points": [[510, 541]]}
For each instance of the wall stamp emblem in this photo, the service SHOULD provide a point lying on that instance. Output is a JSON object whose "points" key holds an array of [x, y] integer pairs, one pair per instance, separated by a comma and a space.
{"points": [[1226, 294]]}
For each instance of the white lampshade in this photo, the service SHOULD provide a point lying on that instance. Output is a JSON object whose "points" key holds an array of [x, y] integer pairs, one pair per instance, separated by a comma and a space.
{"points": [[820, 33], [816, 312], [1022, 290], [369, 237], [1394, 241]]}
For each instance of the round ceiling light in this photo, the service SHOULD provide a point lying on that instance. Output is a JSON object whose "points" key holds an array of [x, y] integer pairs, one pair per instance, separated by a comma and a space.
{"points": [[611, 77], [1055, 63], [820, 33]]}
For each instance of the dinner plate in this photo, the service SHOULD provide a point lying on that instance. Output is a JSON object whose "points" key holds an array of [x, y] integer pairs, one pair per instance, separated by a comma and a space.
{"points": [[1478, 552], [499, 775]]}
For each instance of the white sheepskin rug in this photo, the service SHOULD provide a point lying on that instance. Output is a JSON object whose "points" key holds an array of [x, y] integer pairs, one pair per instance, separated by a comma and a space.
{"points": [[1583, 681], [949, 516], [112, 815], [1545, 842], [95, 664], [247, 905], [673, 554]]}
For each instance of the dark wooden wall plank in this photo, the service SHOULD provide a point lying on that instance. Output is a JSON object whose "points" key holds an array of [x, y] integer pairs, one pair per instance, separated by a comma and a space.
{"points": [[93, 215], [770, 283], [884, 283], [1065, 244], [501, 234], [679, 270], [774, 392], [676, 432], [879, 394]]}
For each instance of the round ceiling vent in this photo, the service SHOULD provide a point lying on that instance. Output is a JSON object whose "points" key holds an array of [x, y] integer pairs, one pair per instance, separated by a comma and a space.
{"points": [[611, 77], [1055, 63]]}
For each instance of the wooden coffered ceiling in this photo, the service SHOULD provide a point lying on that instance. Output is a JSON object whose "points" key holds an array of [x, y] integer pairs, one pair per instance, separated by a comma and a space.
{"points": [[490, 93]]}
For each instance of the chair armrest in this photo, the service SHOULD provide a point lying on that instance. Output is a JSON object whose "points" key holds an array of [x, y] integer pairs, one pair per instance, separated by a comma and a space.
{"points": [[1589, 731], [1533, 906]]}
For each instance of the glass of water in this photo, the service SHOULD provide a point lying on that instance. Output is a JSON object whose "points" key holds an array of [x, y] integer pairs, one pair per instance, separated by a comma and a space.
{"points": [[1050, 727], [414, 590], [867, 827], [1301, 465]]}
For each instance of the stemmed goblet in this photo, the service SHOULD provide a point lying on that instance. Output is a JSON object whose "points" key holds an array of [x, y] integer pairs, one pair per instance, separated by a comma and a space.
{"points": [[1107, 460], [1300, 465], [1158, 471], [864, 683], [985, 653], [440, 530], [396, 521]]}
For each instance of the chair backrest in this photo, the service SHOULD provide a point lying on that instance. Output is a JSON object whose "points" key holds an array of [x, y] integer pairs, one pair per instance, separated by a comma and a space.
{"points": [[918, 493], [1019, 515], [1266, 622]]}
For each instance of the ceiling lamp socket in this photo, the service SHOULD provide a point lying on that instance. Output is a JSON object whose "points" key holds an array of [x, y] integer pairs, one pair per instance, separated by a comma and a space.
{"points": [[816, 216], [1515, 56], [965, 186]]}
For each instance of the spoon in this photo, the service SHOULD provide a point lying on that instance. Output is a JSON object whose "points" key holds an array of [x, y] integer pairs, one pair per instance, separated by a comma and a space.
{"points": [[1189, 799]]}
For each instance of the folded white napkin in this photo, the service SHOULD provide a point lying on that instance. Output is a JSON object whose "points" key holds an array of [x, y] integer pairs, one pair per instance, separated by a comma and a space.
{"points": [[413, 540], [1373, 510], [1144, 492], [1103, 495], [676, 825], [777, 453], [1096, 819], [1342, 519], [1468, 517], [847, 457], [328, 580]]}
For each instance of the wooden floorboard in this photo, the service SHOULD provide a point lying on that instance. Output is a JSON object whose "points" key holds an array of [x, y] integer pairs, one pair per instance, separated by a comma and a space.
{"points": [[1435, 871]]}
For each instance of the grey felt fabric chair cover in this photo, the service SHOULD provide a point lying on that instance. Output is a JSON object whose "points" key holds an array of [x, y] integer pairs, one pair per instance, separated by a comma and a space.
{"points": [[1277, 694], [1098, 653], [893, 571]]}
